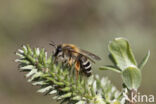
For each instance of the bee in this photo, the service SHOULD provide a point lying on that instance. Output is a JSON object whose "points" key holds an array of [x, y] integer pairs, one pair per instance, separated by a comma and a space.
{"points": [[73, 55]]}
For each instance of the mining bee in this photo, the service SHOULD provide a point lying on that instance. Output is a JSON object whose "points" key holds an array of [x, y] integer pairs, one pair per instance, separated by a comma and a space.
{"points": [[73, 55]]}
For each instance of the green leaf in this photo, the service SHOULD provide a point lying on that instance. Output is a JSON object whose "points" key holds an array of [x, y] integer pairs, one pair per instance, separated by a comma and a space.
{"points": [[121, 53], [109, 67], [61, 81], [27, 67], [43, 90], [33, 71], [66, 89], [53, 92], [67, 95], [132, 77], [29, 49], [112, 59], [76, 98], [20, 51], [20, 55], [36, 75], [22, 61], [39, 83], [116, 102], [81, 102], [144, 61], [31, 59], [56, 82], [25, 49]]}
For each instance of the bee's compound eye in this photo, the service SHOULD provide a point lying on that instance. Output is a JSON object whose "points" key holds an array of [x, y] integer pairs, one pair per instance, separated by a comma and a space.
{"points": [[59, 49]]}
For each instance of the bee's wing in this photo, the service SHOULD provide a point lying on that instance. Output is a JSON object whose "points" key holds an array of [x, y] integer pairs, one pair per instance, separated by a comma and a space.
{"points": [[81, 53], [90, 54]]}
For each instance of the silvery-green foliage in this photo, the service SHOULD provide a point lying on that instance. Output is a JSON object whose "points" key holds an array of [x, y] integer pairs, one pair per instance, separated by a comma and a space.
{"points": [[59, 80], [125, 63]]}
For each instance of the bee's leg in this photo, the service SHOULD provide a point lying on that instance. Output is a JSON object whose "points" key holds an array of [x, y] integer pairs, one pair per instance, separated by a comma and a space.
{"points": [[54, 59], [70, 61], [77, 67]]}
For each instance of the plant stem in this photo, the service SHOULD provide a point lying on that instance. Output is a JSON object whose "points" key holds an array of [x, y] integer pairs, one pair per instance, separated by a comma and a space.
{"points": [[131, 94]]}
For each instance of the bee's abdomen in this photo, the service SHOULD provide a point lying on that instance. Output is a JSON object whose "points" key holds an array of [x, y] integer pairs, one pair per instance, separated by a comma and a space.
{"points": [[86, 67]]}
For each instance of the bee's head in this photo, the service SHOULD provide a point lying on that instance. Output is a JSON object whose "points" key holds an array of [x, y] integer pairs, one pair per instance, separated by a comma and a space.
{"points": [[58, 50]]}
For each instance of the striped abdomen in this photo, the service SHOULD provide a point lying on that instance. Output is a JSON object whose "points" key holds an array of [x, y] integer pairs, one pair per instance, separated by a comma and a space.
{"points": [[86, 66]]}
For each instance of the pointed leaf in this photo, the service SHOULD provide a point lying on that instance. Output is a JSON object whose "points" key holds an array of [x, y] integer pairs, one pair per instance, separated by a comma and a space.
{"points": [[76, 98], [112, 68], [29, 50], [37, 51], [65, 96], [43, 90], [116, 102], [55, 82], [27, 67], [33, 71], [20, 55], [36, 75], [66, 89], [22, 61], [55, 97], [53, 92], [20, 51], [144, 61], [39, 83], [81, 102], [94, 87]]}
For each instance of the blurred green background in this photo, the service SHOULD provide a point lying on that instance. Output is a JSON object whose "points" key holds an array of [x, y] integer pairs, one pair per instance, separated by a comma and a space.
{"points": [[89, 24]]}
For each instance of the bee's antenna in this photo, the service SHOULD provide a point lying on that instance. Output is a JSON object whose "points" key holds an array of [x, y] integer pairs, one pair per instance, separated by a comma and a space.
{"points": [[53, 44]]}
